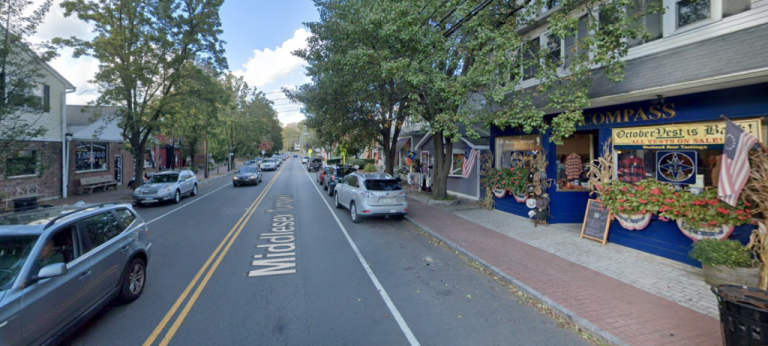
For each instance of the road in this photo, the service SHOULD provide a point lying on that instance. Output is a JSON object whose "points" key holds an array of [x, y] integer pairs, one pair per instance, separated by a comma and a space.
{"points": [[326, 281]]}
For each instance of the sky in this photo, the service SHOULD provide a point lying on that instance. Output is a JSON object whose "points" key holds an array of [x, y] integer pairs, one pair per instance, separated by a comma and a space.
{"points": [[260, 36]]}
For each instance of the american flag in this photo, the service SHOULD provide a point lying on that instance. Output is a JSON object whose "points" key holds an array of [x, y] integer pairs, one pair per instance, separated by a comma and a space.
{"points": [[735, 171], [469, 162]]}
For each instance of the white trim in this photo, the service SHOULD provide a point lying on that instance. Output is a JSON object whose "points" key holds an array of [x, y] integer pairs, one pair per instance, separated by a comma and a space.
{"points": [[454, 152], [422, 142], [458, 194]]}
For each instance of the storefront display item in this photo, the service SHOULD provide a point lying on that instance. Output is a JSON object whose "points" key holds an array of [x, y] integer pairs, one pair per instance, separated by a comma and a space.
{"points": [[631, 168], [705, 231], [634, 222], [676, 167], [726, 262], [499, 193], [573, 166]]}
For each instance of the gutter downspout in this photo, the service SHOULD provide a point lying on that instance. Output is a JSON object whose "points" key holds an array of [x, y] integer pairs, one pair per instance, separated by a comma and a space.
{"points": [[64, 144]]}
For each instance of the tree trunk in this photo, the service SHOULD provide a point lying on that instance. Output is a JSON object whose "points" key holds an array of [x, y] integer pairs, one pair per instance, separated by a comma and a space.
{"points": [[138, 156], [206, 158], [443, 153]]}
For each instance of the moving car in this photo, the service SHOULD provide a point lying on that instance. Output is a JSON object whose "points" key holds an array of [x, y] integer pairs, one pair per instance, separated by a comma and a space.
{"points": [[258, 161], [315, 164], [322, 173], [166, 186], [304, 159], [371, 194], [338, 174], [247, 175], [295, 155], [268, 165], [61, 265]]}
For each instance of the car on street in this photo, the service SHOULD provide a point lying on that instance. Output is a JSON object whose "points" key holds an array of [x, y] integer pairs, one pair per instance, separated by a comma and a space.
{"points": [[248, 175], [339, 172], [323, 173], [314, 164], [258, 161], [295, 155], [304, 160], [268, 165], [251, 163], [277, 160], [59, 266], [166, 186], [369, 195]]}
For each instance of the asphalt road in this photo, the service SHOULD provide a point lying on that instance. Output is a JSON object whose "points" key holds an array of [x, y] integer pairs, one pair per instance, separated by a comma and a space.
{"points": [[271, 265]]}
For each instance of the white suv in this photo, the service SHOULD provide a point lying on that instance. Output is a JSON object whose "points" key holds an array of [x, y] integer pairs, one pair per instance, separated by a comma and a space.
{"points": [[371, 194]]}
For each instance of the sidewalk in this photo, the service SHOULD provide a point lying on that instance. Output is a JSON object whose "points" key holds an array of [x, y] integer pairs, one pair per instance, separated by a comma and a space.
{"points": [[619, 295], [125, 195]]}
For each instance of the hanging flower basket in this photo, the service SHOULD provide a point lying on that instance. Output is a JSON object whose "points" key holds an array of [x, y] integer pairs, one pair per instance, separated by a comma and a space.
{"points": [[519, 198], [499, 193], [634, 222], [705, 231]]}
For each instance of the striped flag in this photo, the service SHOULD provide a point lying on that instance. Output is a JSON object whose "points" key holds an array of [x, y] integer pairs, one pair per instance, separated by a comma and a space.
{"points": [[735, 171], [469, 163]]}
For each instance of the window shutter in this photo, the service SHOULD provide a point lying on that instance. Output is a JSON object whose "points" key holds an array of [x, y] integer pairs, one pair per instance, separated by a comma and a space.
{"points": [[570, 44], [46, 98], [731, 7], [653, 21], [633, 11], [584, 29]]}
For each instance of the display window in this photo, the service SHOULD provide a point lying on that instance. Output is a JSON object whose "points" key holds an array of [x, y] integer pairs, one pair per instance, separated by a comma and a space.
{"points": [[456, 163], [573, 158], [515, 151], [91, 156]]}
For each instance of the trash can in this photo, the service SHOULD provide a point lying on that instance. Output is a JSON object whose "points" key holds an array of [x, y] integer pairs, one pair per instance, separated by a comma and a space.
{"points": [[743, 315], [24, 203]]}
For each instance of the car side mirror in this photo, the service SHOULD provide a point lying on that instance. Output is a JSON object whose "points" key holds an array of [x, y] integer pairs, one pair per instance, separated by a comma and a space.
{"points": [[49, 271]]}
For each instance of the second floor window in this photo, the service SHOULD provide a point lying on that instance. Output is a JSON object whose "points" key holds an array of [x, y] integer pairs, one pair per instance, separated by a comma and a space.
{"points": [[692, 11], [531, 59]]}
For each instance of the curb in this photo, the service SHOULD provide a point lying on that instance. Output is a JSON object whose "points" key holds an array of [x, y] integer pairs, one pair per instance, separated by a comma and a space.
{"points": [[580, 322]]}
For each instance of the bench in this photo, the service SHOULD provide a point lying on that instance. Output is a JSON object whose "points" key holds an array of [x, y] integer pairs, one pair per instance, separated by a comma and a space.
{"points": [[91, 183]]}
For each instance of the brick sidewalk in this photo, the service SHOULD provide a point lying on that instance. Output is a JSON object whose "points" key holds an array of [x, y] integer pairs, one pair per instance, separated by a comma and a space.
{"points": [[611, 309]]}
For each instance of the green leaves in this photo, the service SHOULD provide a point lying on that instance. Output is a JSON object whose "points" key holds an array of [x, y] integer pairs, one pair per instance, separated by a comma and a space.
{"points": [[713, 252]]}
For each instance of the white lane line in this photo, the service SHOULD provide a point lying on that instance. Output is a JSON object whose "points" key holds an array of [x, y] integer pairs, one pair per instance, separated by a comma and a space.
{"points": [[396, 314], [186, 204]]}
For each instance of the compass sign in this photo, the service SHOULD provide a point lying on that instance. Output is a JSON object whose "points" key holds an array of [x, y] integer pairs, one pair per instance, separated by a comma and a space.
{"points": [[676, 167]]}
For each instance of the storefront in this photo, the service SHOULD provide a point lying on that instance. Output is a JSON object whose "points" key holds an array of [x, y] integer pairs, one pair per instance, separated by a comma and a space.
{"points": [[677, 140]]}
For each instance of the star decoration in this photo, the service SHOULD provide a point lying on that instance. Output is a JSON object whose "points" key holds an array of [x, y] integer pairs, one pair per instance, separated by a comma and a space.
{"points": [[676, 168]]}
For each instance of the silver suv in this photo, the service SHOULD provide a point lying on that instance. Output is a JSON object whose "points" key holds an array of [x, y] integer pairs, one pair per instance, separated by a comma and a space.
{"points": [[166, 186], [371, 194], [61, 265]]}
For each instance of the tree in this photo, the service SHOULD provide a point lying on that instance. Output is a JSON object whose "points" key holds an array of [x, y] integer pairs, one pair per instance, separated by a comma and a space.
{"points": [[143, 47], [22, 100], [290, 136]]}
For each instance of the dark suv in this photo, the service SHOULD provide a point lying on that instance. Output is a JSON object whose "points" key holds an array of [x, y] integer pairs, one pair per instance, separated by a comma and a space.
{"points": [[314, 164], [335, 176]]}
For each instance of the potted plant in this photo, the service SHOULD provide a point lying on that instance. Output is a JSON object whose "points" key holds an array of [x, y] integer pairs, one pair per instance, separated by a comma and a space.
{"points": [[516, 182], [495, 181], [726, 262], [633, 205]]}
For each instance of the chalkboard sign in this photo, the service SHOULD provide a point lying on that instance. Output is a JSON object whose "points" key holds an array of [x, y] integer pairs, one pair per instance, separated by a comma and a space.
{"points": [[597, 219]]}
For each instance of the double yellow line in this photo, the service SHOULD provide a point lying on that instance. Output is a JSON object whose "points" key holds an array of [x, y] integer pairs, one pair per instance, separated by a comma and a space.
{"points": [[231, 237]]}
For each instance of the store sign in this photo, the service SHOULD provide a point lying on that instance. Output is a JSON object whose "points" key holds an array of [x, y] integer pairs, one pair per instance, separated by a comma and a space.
{"points": [[631, 115], [694, 136]]}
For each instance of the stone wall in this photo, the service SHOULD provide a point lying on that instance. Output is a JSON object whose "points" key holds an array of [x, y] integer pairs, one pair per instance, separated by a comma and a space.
{"points": [[45, 185]]}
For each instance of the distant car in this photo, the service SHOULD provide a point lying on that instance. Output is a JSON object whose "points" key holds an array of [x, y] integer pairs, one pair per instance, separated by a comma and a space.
{"points": [[295, 155], [251, 163], [371, 194], [268, 165], [304, 159], [323, 173], [166, 186], [248, 175], [277, 160], [61, 265], [336, 176], [314, 164]]}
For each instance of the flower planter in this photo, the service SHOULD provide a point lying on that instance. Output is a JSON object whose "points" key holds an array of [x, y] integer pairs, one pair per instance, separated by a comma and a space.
{"points": [[634, 222], [705, 232], [723, 275], [499, 193], [519, 198]]}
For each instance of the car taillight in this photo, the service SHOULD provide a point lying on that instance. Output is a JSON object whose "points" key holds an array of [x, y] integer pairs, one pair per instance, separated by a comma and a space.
{"points": [[333, 177], [368, 194], [366, 211], [401, 195]]}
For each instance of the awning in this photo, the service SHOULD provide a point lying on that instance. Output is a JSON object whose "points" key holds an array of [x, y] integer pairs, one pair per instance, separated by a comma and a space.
{"points": [[401, 143]]}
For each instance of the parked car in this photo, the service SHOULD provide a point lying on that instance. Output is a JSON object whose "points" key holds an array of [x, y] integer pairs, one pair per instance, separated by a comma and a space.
{"points": [[258, 161], [61, 265], [251, 163], [277, 160], [247, 175], [304, 160], [268, 165], [323, 173], [371, 194], [314, 164], [166, 186], [338, 174]]}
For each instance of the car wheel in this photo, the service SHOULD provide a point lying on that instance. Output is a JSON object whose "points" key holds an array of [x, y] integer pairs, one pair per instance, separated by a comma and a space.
{"points": [[336, 201], [194, 190], [177, 197], [134, 280], [353, 213], [234, 184]]}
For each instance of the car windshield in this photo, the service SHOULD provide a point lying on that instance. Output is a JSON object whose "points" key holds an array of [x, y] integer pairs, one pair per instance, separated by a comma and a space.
{"points": [[269, 160], [14, 251], [382, 185], [163, 178], [344, 170], [248, 170]]}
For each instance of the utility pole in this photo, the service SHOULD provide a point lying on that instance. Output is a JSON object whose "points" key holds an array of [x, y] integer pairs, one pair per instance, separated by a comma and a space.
{"points": [[206, 157]]}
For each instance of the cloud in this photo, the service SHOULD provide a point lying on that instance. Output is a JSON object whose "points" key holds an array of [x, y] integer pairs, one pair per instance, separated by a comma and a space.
{"points": [[267, 66], [78, 72]]}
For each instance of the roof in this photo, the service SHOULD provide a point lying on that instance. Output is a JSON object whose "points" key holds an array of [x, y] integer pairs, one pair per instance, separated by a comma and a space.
{"points": [[94, 122], [478, 143], [36, 220]]}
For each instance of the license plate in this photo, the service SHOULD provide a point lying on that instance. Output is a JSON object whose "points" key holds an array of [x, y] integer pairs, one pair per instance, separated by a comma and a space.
{"points": [[393, 211], [149, 201], [386, 201]]}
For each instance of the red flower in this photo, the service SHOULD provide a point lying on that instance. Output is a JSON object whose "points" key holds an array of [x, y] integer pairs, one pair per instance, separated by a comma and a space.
{"points": [[723, 211], [598, 201], [497, 186], [677, 193], [622, 200], [739, 212], [663, 218], [631, 195], [713, 223], [642, 201], [742, 218], [683, 204], [676, 213], [645, 211], [654, 200], [599, 187], [624, 188], [748, 204], [621, 207], [639, 188], [713, 202], [512, 169], [655, 191], [669, 200]]}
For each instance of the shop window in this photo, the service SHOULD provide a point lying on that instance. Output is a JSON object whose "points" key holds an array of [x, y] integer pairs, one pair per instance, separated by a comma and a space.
{"points": [[456, 163], [24, 163], [514, 150], [692, 11], [573, 158], [91, 156], [702, 166]]}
